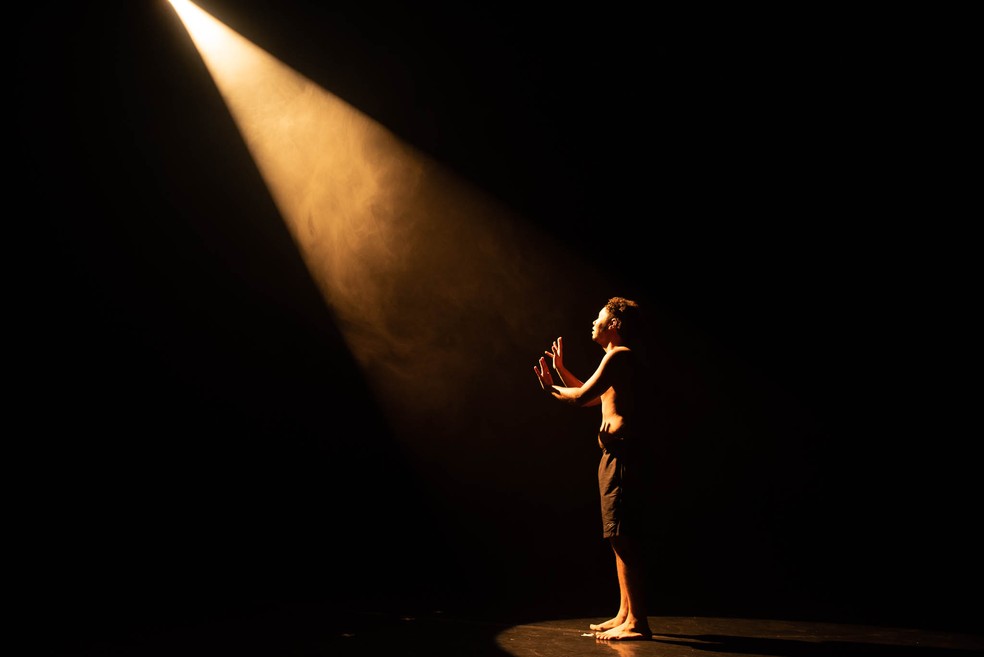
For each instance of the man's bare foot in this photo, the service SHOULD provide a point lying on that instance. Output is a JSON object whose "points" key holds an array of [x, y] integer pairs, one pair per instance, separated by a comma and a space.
{"points": [[626, 632], [608, 624]]}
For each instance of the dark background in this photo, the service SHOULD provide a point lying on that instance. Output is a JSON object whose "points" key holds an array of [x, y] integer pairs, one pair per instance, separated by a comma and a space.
{"points": [[785, 187]]}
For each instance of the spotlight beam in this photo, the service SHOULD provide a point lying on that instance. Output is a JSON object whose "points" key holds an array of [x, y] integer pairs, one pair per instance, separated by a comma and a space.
{"points": [[417, 265]]}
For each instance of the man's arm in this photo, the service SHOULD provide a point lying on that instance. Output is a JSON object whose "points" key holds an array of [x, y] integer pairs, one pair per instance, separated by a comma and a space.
{"points": [[566, 377], [574, 397], [557, 392], [589, 392]]}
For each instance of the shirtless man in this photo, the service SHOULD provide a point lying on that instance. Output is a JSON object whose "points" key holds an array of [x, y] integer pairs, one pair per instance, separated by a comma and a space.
{"points": [[613, 386]]}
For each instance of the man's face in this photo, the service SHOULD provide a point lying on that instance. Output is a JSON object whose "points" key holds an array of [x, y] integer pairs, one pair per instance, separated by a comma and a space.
{"points": [[599, 329]]}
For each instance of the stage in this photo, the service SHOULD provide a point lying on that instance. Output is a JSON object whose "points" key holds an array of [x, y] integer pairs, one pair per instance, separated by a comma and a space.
{"points": [[312, 630]]}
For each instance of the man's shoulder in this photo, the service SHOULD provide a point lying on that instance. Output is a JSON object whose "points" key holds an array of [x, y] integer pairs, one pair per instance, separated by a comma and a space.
{"points": [[618, 354]]}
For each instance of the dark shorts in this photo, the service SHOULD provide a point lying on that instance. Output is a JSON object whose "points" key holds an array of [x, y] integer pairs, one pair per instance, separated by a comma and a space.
{"points": [[613, 484]]}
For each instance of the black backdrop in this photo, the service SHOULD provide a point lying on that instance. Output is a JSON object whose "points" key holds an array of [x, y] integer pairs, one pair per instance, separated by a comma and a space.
{"points": [[788, 192]]}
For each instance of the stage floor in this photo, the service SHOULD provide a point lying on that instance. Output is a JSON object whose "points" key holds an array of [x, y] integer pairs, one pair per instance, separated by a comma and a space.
{"points": [[296, 633]]}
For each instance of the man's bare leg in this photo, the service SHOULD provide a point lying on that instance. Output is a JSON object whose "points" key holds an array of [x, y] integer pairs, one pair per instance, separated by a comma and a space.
{"points": [[623, 603], [631, 581]]}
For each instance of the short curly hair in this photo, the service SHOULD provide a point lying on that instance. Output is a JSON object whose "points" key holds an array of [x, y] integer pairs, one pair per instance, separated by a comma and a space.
{"points": [[628, 315]]}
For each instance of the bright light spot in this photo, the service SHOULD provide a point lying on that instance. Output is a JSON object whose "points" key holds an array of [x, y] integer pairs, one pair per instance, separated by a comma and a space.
{"points": [[208, 34]]}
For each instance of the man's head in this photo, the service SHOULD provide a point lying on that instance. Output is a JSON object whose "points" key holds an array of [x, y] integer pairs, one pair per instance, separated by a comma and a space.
{"points": [[626, 318]]}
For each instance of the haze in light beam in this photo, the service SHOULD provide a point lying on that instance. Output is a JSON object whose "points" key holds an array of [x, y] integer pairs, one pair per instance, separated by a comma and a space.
{"points": [[425, 274]]}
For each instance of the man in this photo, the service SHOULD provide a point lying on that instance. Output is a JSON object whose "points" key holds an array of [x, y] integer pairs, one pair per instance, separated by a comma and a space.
{"points": [[614, 385]]}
